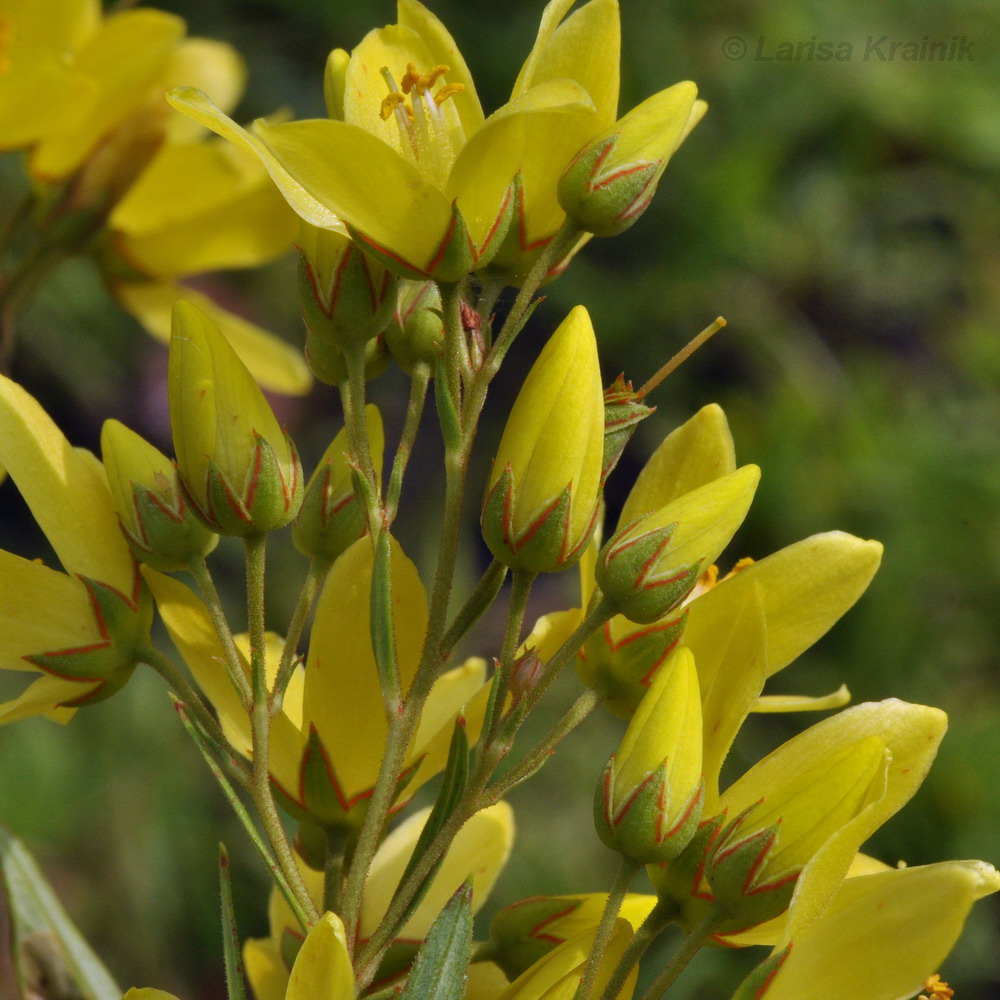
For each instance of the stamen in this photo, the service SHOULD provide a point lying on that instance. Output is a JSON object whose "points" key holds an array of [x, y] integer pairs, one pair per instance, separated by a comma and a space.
{"points": [[448, 90], [937, 989], [389, 104]]}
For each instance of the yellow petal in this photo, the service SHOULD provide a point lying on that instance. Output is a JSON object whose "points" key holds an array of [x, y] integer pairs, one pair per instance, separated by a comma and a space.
{"points": [[322, 969], [895, 928], [196, 105], [214, 68], [44, 697], [147, 993], [265, 969], [343, 698], [586, 47], [275, 364], [68, 495], [479, 851], [442, 50], [201, 206], [126, 59], [485, 981], [804, 588], [694, 454]]}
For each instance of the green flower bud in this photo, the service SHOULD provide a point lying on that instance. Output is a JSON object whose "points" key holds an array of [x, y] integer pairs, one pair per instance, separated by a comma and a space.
{"points": [[613, 178], [651, 564], [543, 493], [327, 360], [416, 332], [240, 469], [649, 799], [347, 297], [331, 518], [159, 525]]}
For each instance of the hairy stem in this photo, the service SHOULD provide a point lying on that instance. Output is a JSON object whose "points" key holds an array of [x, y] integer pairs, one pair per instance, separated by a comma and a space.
{"points": [[414, 409]]}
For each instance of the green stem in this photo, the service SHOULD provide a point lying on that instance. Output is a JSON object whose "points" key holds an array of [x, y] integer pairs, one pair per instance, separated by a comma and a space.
{"points": [[651, 928], [627, 871], [693, 943], [519, 593], [318, 568], [414, 409], [533, 760], [482, 596], [333, 869], [260, 726], [456, 353], [198, 568], [352, 397], [228, 758], [15, 220]]}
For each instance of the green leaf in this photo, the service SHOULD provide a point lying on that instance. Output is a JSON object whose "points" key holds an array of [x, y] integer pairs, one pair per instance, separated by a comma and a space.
{"points": [[50, 954], [440, 968], [208, 750], [383, 634], [235, 988]]}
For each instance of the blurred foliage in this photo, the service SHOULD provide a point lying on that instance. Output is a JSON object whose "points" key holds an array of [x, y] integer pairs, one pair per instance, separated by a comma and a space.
{"points": [[844, 217]]}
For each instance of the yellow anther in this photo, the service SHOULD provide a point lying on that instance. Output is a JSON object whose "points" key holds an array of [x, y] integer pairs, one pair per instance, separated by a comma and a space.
{"points": [[410, 78], [937, 989], [389, 104], [448, 90]]}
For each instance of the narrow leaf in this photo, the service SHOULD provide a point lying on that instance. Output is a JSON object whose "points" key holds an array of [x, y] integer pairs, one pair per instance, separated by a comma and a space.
{"points": [[50, 954], [208, 750], [440, 968], [383, 632], [235, 988]]}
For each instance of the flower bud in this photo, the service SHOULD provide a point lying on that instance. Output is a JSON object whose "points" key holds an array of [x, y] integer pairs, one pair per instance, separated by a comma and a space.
{"points": [[544, 489], [159, 526], [648, 566], [331, 518], [327, 361], [623, 412], [760, 854], [613, 178], [416, 332], [347, 297], [240, 469], [649, 799]]}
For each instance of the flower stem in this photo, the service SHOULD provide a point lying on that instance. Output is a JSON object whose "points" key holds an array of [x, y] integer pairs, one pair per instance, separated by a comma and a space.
{"points": [[482, 596], [414, 409], [333, 869], [627, 871], [352, 398], [318, 569], [658, 920], [198, 568], [260, 727], [693, 943]]}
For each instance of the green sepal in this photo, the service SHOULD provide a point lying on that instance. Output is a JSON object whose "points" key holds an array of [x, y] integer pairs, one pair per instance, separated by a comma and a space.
{"points": [[541, 548], [441, 965], [44, 943], [623, 574], [265, 502], [381, 621], [123, 624], [623, 412], [517, 935], [231, 948], [504, 243], [622, 672], [415, 335], [756, 985], [638, 829], [171, 535], [327, 524], [732, 870]]}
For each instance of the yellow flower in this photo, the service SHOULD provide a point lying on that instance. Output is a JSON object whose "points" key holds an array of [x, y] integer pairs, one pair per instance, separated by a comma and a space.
{"points": [[479, 852], [86, 96], [328, 740], [882, 937], [543, 492], [81, 629], [408, 164], [322, 968]]}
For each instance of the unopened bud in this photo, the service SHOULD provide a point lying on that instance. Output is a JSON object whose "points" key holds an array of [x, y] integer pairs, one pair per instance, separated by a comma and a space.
{"points": [[415, 335]]}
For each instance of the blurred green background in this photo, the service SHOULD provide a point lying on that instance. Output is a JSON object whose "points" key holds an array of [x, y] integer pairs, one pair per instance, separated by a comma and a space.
{"points": [[844, 218]]}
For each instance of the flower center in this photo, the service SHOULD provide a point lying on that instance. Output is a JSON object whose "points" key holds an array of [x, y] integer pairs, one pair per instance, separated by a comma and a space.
{"points": [[937, 989], [427, 138]]}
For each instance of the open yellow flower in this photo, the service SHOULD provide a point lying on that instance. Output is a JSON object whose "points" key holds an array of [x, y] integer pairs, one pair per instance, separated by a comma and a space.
{"points": [[328, 740], [479, 852], [85, 96], [80, 628], [407, 162]]}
